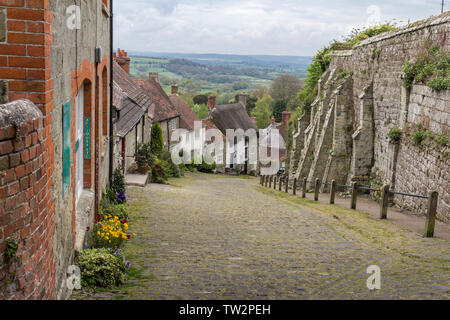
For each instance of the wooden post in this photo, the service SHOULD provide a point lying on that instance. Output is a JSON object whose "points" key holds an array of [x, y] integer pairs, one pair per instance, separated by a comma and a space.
{"points": [[270, 181], [304, 188], [316, 190], [354, 194], [294, 187], [384, 202], [286, 186], [266, 183], [261, 178], [431, 214], [275, 182], [333, 191], [280, 183]]}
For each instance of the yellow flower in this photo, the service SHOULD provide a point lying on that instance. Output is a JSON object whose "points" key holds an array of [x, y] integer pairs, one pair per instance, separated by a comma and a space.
{"points": [[134, 234]]}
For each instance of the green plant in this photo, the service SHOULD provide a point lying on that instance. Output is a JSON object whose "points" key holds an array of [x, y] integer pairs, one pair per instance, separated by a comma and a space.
{"points": [[442, 139], [377, 52], [101, 268], [110, 232], [432, 68], [170, 169], [116, 210], [158, 175], [419, 135], [395, 134], [11, 250], [206, 168], [143, 156], [118, 181], [157, 142]]}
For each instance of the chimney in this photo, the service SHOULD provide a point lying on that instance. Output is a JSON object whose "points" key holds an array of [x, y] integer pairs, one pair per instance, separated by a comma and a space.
{"points": [[122, 59], [272, 121], [175, 89], [286, 116], [154, 76], [212, 102], [243, 99], [253, 120]]}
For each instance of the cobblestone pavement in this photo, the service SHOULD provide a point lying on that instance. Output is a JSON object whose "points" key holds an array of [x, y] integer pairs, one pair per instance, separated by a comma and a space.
{"points": [[219, 237]]}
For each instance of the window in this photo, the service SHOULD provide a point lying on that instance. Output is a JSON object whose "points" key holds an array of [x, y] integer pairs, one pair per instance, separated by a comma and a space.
{"points": [[172, 125], [79, 116]]}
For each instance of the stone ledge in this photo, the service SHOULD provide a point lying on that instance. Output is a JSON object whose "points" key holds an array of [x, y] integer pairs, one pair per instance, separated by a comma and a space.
{"points": [[17, 112]]}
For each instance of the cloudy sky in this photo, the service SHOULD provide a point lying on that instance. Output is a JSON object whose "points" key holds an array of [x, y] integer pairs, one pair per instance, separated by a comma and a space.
{"points": [[278, 27]]}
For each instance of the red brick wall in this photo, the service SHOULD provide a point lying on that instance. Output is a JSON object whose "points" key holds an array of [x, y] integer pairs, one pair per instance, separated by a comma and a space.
{"points": [[26, 205], [26, 211]]}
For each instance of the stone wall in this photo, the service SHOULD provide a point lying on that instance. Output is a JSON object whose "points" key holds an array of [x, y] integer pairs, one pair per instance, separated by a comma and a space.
{"points": [[376, 102]]}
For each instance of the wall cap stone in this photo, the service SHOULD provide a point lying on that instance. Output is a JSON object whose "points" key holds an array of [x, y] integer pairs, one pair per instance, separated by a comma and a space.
{"points": [[18, 112]]}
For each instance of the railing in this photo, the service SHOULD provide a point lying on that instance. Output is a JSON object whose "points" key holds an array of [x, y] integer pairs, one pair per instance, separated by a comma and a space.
{"points": [[432, 198]]}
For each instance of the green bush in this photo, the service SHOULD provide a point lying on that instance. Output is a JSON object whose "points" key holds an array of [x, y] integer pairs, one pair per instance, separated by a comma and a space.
{"points": [[118, 181], [157, 142], [101, 268], [395, 134], [158, 174], [119, 210], [432, 68], [143, 156], [206, 168], [419, 136]]}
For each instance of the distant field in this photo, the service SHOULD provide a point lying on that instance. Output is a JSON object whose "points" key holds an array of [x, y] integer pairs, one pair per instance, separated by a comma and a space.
{"points": [[206, 73]]}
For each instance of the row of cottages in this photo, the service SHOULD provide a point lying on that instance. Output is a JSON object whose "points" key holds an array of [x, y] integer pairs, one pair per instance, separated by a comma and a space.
{"points": [[162, 110], [131, 105], [55, 135]]}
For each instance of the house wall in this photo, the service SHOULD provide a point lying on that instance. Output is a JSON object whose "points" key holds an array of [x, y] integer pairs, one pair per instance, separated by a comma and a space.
{"points": [[46, 62], [165, 130]]}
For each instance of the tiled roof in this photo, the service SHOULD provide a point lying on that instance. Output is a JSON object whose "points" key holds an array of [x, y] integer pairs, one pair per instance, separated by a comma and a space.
{"points": [[130, 99], [130, 115], [130, 87], [162, 108], [187, 115], [232, 116]]}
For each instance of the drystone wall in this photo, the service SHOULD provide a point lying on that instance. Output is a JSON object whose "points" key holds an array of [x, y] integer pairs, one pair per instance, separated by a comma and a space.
{"points": [[365, 88]]}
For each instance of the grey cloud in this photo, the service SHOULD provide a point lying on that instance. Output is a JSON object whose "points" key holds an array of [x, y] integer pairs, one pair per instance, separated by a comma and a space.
{"points": [[293, 27]]}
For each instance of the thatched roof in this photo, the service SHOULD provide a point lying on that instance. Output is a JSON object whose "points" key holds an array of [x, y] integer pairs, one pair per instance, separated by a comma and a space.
{"points": [[232, 116]]}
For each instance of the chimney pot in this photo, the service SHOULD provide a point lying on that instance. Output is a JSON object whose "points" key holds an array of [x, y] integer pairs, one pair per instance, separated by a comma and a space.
{"points": [[154, 76], [286, 116], [174, 89], [243, 99], [211, 102]]}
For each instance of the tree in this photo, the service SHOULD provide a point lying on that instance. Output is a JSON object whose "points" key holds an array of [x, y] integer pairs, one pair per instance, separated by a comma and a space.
{"points": [[286, 88], [262, 111], [200, 99], [278, 109], [201, 110], [260, 92], [157, 142]]}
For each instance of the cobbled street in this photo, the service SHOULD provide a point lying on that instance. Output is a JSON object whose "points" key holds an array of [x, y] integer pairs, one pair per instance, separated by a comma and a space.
{"points": [[219, 237]]}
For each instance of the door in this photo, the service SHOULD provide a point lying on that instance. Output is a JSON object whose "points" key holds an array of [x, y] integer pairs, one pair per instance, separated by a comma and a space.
{"points": [[79, 160]]}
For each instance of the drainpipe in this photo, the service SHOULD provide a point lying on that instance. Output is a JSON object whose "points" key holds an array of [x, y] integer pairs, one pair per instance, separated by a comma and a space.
{"points": [[111, 135]]}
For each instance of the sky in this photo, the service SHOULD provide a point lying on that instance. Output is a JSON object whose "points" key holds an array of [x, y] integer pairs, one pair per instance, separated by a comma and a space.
{"points": [[268, 27]]}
